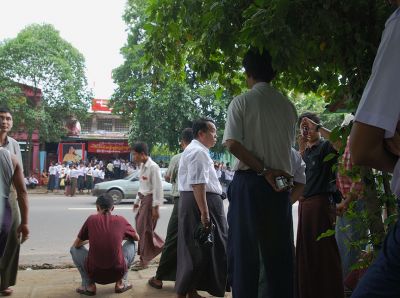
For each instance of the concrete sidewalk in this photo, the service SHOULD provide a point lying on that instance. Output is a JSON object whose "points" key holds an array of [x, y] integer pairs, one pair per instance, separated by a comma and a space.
{"points": [[57, 283]]}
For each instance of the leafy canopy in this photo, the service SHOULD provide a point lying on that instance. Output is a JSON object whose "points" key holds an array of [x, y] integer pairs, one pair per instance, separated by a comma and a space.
{"points": [[158, 102], [40, 58], [320, 46]]}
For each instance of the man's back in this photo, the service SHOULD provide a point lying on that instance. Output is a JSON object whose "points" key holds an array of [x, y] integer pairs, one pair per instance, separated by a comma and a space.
{"points": [[263, 121], [105, 232]]}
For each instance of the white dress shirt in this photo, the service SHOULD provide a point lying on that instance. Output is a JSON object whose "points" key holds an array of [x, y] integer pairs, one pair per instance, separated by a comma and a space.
{"points": [[150, 182], [380, 102], [197, 167], [52, 170]]}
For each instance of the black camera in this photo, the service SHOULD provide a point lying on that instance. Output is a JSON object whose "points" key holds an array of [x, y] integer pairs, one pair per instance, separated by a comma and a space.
{"points": [[204, 236]]}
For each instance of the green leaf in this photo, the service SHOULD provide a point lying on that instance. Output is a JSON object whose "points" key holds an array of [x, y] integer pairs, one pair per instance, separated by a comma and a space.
{"points": [[329, 157], [328, 233]]}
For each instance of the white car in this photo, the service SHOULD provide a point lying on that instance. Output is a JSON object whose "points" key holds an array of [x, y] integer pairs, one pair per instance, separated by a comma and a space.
{"points": [[127, 188]]}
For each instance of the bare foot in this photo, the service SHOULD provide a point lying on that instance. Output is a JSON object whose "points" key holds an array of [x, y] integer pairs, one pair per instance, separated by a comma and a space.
{"points": [[6, 292], [91, 287]]}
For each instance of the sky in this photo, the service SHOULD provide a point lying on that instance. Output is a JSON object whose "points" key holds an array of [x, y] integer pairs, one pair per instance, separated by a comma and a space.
{"points": [[94, 27]]}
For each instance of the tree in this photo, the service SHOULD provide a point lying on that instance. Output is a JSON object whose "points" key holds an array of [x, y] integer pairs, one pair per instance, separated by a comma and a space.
{"points": [[317, 45], [40, 58], [157, 103]]}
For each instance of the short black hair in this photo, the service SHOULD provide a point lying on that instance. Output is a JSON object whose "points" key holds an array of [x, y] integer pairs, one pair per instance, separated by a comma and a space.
{"points": [[259, 65], [200, 125], [187, 135], [5, 110], [141, 147], [314, 117], [105, 201]]}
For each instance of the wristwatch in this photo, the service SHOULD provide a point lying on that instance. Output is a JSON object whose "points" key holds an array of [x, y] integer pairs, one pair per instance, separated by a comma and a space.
{"points": [[263, 172]]}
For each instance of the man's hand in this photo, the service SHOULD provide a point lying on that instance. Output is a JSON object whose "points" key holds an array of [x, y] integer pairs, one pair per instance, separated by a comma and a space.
{"points": [[23, 232], [135, 207], [342, 207], [155, 213], [309, 123], [393, 144], [271, 175], [302, 141], [205, 219]]}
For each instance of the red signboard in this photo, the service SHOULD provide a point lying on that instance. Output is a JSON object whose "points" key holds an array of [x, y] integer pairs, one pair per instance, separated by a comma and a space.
{"points": [[100, 105], [108, 147]]}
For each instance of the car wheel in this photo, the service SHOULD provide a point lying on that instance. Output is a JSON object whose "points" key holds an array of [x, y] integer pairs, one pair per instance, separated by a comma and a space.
{"points": [[116, 196]]}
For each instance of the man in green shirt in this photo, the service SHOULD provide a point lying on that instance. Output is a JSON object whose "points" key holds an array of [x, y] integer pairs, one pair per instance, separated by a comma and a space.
{"points": [[167, 267]]}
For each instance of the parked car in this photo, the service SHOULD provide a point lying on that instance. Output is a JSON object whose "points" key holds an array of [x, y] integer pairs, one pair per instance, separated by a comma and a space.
{"points": [[127, 188]]}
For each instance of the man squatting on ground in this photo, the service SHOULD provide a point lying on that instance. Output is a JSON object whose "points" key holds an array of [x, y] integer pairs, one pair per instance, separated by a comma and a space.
{"points": [[107, 261]]}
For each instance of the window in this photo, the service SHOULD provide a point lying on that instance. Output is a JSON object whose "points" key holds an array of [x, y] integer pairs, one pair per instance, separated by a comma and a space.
{"points": [[104, 124], [86, 125], [121, 126]]}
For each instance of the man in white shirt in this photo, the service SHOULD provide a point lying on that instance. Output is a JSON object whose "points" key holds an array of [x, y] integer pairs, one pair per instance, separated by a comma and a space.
{"points": [[52, 177], [150, 196], [259, 132], [202, 265], [374, 142]]}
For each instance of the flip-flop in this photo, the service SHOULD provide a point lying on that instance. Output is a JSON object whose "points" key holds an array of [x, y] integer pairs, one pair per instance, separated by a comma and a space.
{"points": [[85, 292], [155, 285], [139, 267], [125, 288]]}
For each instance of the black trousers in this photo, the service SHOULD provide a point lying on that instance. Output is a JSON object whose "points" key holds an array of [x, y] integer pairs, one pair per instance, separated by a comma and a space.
{"points": [[167, 267], [260, 234]]}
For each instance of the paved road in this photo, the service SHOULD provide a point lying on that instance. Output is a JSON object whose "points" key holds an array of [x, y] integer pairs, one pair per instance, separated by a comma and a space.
{"points": [[55, 221]]}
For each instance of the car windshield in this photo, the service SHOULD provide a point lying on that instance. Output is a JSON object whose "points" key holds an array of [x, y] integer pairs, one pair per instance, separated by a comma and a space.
{"points": [[132, 176], [135, 175]]}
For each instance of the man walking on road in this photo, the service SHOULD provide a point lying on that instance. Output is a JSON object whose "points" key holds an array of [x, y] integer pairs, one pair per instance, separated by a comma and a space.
{"points": [[150, 197], [107, 261], [167, 267], [260, 132], [374, 142]]}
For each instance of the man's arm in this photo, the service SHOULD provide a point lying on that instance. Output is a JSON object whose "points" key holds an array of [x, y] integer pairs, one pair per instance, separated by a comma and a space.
{"points": [[78, 243], [22, 198], [199, 191], [367, 146], [296, 192], [244, 155]]}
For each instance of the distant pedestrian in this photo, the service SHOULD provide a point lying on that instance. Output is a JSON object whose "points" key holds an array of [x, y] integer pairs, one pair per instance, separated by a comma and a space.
{"points": [[74, 174], [107, 261], [259, 132], [167, 266], [202, 261], [52, 177], [150, 197]]}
